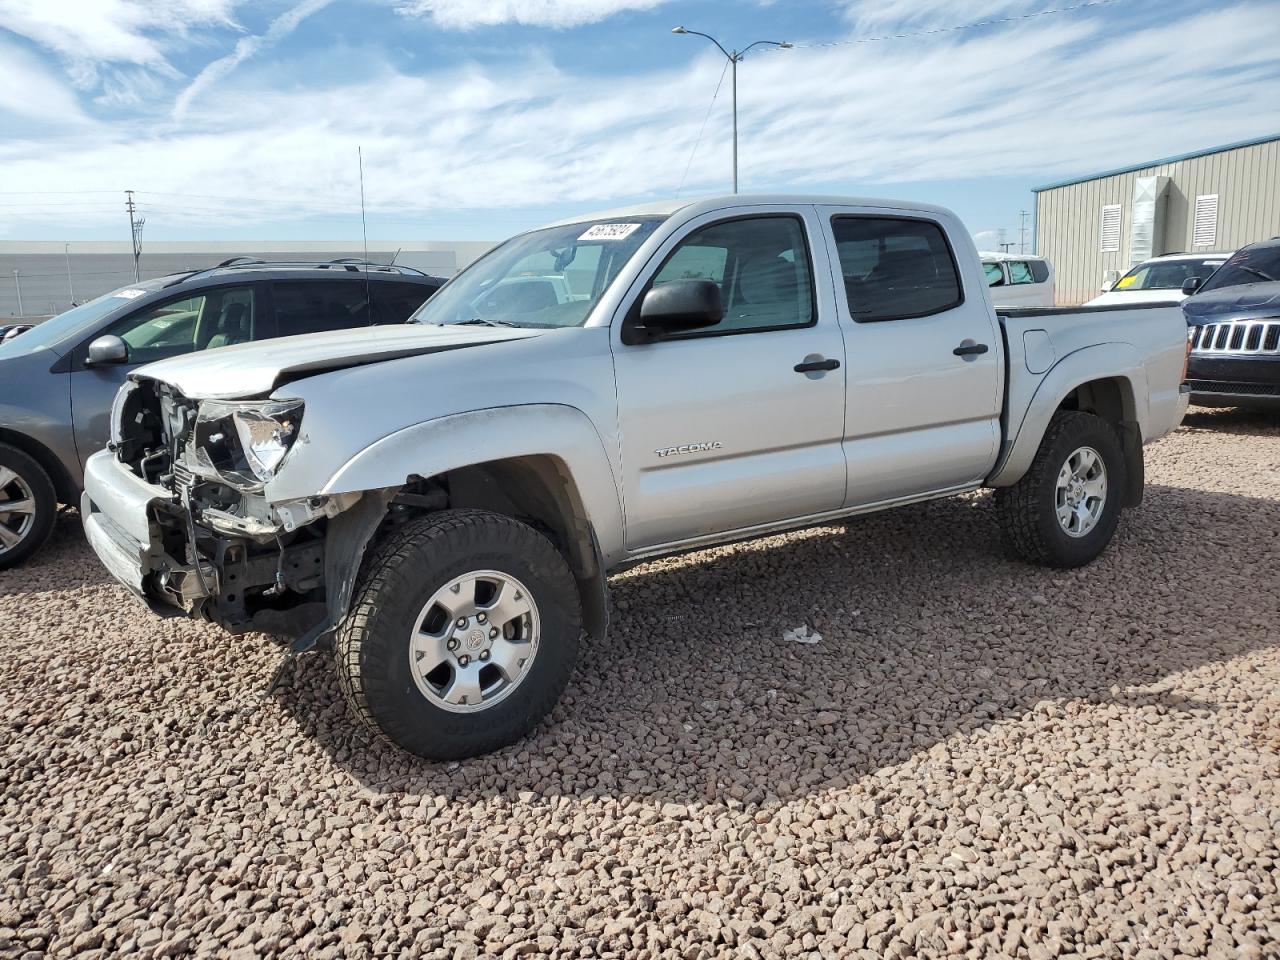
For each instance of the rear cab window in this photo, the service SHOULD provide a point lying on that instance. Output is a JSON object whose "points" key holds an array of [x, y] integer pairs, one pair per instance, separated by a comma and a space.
{"points": [[895, 268]]}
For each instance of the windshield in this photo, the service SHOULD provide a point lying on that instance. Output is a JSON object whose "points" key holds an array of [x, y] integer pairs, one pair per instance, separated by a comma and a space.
{"points": [[545, 278], [67, 324], [1250, 265], [1166, 274]]}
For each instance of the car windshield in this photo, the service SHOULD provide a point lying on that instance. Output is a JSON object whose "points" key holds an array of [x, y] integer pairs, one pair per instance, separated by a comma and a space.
{"points": [[545, 278], [1250, 265], [1165, 274], [68, 324]]}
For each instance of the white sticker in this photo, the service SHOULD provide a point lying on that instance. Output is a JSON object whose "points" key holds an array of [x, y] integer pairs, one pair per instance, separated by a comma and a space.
{"points": [[610, 231], [128, 294]]}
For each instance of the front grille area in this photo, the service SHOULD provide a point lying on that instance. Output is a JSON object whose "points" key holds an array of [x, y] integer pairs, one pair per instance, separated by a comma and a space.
{"points": [[1240, 389], [1257, 337]]}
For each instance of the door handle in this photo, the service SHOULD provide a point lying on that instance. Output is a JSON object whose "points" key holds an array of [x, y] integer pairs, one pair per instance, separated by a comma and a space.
{"points": [[809, 366], [970, 349]]}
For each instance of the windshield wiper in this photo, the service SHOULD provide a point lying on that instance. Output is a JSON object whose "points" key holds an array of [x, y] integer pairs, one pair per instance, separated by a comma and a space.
{"points": [[482, 322], [1256, 273]]}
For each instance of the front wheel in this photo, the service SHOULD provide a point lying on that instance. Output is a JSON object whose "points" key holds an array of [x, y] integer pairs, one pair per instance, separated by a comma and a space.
{"points": [[1065, 510], [461, 636]]}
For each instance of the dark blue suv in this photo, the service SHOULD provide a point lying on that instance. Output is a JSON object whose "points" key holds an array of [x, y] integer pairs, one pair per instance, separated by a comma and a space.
{"points": [[58, 379], [1234, 320]]}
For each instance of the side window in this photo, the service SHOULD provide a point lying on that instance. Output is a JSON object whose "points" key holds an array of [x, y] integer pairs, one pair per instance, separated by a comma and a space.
{"points": [[214, 318], [761, 266], [1040, 271], [995, 274], [396, 302], [318, 305], [1020, 272], [895, 269]]}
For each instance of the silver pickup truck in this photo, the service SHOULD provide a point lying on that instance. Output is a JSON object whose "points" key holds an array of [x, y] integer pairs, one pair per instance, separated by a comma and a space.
{"points": [[440, 503]]}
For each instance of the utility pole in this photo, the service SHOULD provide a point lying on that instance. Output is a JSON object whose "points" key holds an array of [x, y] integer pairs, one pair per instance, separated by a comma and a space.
{"points": [[135, 233], [1022, 232], [1000, 235], [66, 250]]}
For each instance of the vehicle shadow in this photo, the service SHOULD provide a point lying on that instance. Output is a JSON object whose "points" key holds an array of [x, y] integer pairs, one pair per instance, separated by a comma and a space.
{"points": [[928, 631], [1237, 420]]}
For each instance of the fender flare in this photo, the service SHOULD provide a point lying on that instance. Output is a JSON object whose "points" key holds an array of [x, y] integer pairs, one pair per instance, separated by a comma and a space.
{"points": [[1104, 361], [558, 432]]}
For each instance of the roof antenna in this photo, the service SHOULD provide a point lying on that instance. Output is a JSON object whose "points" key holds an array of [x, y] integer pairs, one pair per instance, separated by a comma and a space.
{"points": [[364, 233]]}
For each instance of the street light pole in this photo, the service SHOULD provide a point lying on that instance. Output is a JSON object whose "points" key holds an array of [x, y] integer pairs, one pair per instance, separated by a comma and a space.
{"points": [[734, 57]]}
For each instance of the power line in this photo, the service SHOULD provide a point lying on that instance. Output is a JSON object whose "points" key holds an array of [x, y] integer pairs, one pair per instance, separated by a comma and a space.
{"points": [[963, 26], [702, 128]]}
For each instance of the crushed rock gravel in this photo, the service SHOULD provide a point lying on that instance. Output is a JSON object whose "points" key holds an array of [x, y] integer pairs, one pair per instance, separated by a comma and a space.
{"points": [[980, 759]]}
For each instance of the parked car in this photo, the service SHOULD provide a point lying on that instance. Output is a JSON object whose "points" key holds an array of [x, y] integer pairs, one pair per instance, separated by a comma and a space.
{"points": [[1017, 280], [441, 502], [10, 330], [1234, 320], [1160, 279], [58, 379]]}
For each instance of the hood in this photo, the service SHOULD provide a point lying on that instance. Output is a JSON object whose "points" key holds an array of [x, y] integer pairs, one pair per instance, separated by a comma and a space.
{"points": [[256, 369], [1245, 301], [1116, 298]]}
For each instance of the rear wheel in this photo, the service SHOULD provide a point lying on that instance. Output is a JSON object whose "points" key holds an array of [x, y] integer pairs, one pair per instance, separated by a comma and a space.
{"points": [[462, 635], [28, 505], [1065, 510]]}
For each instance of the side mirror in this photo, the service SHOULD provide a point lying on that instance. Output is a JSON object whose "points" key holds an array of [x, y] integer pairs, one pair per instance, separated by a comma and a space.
{"points": [[1191, 285], [681, 305], [107, 349], [1106, 286]]}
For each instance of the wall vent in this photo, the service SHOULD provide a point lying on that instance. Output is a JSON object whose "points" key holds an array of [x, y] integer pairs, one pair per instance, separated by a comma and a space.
{"points": [[1146, 224], [1111, 228], [1205, 231]]}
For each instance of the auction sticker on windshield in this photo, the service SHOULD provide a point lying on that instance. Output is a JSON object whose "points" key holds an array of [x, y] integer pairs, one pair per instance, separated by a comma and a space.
{"points": [[610, 231]]}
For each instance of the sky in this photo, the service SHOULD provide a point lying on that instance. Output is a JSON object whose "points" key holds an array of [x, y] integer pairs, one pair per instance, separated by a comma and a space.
{"points": [[479, 118]]}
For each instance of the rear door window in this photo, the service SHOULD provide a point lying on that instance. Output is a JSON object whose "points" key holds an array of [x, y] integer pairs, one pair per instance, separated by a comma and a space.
{"points": [[319, 305], [1020, 272], [395, 302], [895, 268]]}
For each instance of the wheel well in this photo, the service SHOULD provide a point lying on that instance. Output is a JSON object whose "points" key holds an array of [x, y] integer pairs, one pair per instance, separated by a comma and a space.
{"points": [[537, 490], [1111, 398], [63, 485]]}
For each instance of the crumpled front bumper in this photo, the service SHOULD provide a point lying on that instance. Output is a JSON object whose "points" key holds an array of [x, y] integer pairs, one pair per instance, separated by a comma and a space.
{"points": [[117, 509]]}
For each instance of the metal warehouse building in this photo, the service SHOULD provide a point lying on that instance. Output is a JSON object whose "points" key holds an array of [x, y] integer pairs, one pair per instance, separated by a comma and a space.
{"points": [[1095, 228]]}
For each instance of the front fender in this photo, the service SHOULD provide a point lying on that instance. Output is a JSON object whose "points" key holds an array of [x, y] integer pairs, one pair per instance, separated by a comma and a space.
{"points": [[1104, 361], [499, 433]]}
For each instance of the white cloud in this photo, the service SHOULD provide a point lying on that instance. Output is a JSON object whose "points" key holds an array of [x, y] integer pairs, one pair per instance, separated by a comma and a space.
{"points": [[30, 90], [530, 133], [877, 16], [466, 14], [245, 48], [116, 31]]}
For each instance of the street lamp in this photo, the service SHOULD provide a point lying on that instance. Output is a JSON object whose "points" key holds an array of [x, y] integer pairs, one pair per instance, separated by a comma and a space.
{"points": [[734, 57]]}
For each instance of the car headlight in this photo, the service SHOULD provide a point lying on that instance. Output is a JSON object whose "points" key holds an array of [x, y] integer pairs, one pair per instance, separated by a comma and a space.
{"points": [[246, 442]]}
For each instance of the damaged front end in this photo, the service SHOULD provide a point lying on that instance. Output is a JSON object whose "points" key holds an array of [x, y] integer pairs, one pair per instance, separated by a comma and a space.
{"points": [[219, 549]]}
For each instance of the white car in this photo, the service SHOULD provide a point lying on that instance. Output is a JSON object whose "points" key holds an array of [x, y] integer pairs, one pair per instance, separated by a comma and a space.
{"points": [[1017, 280], [1160, 279]]}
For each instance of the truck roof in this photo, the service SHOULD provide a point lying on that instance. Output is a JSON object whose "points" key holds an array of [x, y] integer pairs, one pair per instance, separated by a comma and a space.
{"points": [[697, 205]]}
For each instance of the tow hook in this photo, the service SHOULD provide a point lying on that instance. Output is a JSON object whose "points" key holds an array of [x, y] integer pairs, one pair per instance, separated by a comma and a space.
{"points": [[313, 638]]}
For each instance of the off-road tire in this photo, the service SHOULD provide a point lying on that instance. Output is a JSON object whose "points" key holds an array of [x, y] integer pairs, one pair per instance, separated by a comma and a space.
{"points": [[1027, 510], [372, 648], [46, 502]]}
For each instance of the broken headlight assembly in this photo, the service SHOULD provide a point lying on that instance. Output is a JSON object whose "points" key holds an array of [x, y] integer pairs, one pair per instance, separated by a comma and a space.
{"points": [[245, 443]]}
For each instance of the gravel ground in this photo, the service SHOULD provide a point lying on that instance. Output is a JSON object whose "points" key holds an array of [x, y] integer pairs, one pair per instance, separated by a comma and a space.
{"points": [[978, 758]]}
